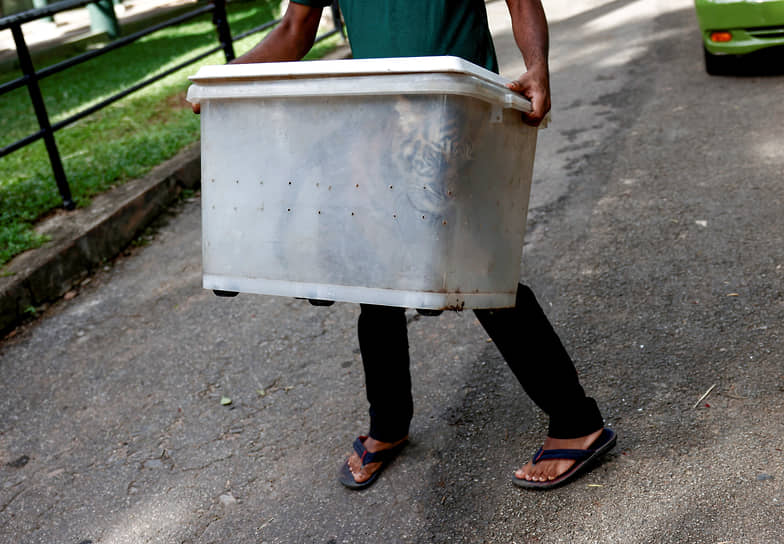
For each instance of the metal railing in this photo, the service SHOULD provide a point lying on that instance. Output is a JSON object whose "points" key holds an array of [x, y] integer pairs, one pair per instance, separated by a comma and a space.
{"points": [[31, 76]]}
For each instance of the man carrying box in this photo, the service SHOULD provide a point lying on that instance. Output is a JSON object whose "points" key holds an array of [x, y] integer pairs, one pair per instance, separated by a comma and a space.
{"points": [[410, 28]]}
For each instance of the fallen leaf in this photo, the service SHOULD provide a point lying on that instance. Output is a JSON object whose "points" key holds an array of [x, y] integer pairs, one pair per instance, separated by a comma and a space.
{"points": [[227, 499], [225, 401]]}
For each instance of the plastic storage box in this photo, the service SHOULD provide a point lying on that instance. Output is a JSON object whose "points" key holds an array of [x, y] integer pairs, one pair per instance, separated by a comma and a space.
{"points": [[400, 182]]}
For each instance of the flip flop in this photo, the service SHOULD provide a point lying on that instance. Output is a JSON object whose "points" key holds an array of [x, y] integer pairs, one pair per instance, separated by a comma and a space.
{"points": [[384, 457], [582, 458]]}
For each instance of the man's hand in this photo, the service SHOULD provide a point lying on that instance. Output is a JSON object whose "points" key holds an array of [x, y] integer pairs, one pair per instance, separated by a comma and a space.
{"points": [[535, 86], [196, 108], [529, 26]]}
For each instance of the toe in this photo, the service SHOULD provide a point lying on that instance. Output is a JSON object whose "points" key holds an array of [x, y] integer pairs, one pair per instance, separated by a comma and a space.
{"points": [[360, 476], [353, 462], [364, 473], [356, 468], [546, 474], [524, 472]]}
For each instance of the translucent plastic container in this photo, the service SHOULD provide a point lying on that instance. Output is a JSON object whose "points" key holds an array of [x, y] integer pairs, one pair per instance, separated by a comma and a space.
{"points": [[401, 182]]}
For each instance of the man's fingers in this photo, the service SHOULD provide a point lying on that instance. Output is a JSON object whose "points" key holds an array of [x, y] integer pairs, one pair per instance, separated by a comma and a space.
{"points": [[531, 119], [537, 113], [514, 85]]}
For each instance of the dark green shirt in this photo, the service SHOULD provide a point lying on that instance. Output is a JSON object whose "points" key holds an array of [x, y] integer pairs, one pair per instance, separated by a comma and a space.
{"points": [[417, 28]]}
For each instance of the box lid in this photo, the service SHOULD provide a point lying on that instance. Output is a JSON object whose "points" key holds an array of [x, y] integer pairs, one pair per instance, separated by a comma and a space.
{"points": [[346, 67], [409, 75]]}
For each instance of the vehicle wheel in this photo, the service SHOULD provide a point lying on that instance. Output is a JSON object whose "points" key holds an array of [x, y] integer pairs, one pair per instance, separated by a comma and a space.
{"points": [[319, 302], [227, 294], [718, 65]]}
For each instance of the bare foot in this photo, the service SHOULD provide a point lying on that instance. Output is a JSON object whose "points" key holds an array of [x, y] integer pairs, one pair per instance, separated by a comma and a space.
{"points": [[550, 469], [362, 474]]}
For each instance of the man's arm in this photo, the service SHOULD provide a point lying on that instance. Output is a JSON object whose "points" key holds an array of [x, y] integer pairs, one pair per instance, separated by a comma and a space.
{"points": [[290, 40], [529, 25]]}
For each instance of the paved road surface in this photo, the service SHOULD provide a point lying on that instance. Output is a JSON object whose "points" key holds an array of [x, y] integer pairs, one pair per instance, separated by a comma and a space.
{"points": [[654, 244]]}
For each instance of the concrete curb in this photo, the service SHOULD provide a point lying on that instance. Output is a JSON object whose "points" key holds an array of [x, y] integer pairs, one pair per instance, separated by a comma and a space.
{"points": [[83, 239]]}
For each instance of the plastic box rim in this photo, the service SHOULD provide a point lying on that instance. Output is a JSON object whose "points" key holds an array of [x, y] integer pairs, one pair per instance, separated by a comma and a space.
{"points": [[346, 67]]}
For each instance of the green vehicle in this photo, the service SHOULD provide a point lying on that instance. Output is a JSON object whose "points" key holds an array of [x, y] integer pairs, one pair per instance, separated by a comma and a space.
{"points": [[735, 27]]}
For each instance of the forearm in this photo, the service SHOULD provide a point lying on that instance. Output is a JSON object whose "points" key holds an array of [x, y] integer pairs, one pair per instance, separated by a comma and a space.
{"points": [[290, 40], [529, 26]]}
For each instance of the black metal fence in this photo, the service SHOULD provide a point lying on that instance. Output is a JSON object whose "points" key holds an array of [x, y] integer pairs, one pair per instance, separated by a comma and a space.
{"points": [[31, 76]]}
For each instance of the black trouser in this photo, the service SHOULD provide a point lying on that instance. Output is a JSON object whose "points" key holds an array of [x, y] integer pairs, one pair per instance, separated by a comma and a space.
{"points": [[524, 337]]}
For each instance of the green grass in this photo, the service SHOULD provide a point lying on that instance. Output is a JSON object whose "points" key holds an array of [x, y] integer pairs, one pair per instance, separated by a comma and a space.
{"points": [[120, 142]]}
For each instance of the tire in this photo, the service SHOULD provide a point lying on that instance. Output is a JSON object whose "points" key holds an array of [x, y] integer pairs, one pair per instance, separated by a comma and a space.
{"points": [[226, 294], [718, 65]]}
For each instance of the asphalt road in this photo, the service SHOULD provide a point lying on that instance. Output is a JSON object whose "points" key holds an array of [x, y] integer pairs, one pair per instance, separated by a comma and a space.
{"points": [[655, 246]]}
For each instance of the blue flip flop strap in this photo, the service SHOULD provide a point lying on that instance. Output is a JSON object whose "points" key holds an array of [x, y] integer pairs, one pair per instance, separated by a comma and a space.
{"points": [[576, 455], [367, 457]]}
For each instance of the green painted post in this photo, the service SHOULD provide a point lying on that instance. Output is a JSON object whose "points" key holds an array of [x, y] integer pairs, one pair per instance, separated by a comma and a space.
{"points": [[42, 4], [103, 18]]}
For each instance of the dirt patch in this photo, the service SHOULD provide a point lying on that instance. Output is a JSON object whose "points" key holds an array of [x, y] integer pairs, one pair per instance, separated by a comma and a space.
{"points": [[177, 101], [169, 104]]}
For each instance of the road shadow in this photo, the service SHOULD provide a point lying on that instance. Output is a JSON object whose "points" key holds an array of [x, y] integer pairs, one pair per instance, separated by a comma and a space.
{"points": [[763, 63], [639, 348]]}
